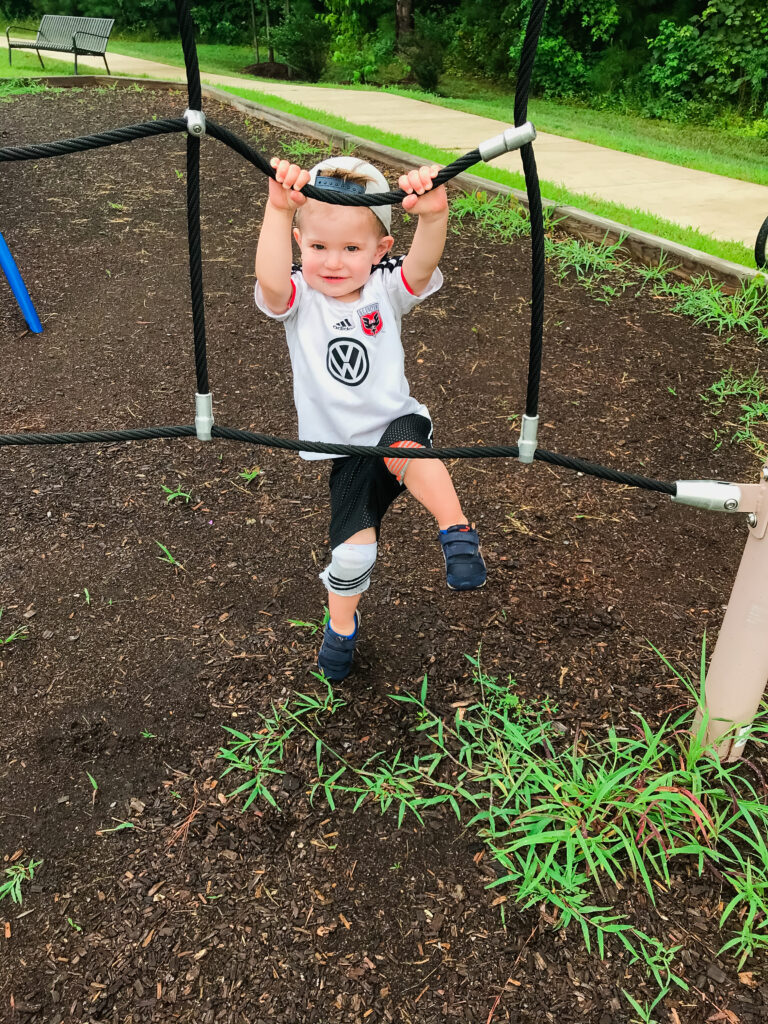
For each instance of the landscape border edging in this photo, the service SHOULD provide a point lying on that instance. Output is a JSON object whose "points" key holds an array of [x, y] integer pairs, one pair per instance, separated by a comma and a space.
{"points": [[643, 246]]}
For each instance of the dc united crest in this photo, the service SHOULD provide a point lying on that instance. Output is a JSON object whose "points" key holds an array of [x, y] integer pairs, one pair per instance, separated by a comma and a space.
{"points": [[370, 319], [347, 361]]}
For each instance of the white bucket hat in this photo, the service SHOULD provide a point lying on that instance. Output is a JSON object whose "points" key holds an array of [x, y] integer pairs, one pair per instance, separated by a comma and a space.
{"points": [[376, 181]]}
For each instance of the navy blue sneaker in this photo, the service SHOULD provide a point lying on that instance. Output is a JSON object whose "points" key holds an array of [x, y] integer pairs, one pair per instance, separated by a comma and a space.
{"points": [[336, 653], [464, 565]]}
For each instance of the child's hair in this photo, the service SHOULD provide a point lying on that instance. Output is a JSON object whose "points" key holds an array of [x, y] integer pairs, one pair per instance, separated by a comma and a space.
{"points": [[358, 179]]}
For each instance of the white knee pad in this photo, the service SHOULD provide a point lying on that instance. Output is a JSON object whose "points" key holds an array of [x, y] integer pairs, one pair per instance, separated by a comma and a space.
{"points": [[350, 569]]}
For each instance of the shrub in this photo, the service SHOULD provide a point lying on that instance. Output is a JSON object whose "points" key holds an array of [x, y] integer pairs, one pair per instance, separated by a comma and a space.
{"points": [[720, 55], [359, 56], [559, 70], [302, 40], [425, 49]]}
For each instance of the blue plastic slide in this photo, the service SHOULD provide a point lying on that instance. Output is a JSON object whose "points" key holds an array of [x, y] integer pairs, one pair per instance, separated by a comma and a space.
{"points": [[18, 288]]}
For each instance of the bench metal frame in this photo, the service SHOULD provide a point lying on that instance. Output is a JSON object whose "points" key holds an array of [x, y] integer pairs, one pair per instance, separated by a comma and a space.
{"points": [[64, 34]]}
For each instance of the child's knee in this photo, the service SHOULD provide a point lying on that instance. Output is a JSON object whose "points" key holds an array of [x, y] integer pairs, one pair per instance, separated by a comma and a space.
{"points": [[350, 570], [397, 467]]}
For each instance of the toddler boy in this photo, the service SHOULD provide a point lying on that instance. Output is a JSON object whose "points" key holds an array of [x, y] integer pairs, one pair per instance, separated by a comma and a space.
{"points": [[341, 311]]}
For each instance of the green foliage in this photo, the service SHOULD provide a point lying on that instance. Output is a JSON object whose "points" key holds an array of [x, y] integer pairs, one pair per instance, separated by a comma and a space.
{"points": [[425, 48], [302, 39], [720, 54], [751, 393], [568, 820], [361, 45], [14, 876], [559, 69]]}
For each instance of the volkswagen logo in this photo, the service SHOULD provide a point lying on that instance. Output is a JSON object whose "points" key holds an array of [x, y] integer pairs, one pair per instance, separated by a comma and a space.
{"points": [[347, 361]]}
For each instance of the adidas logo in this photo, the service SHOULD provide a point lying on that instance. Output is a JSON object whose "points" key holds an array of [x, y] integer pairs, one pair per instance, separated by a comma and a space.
{"points": [[344, 325]]}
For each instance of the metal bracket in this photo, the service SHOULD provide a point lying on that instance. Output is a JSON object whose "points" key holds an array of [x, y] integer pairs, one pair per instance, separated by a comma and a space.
{"points": [[511, 138], [720, 496], [195, 121], [526, 445], [203, 416]]}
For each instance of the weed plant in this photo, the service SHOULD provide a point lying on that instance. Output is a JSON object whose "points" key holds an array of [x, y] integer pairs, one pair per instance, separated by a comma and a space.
{"points": [[564, 820], [601, 270], [14, 876], [752, 393], [20, 633]]}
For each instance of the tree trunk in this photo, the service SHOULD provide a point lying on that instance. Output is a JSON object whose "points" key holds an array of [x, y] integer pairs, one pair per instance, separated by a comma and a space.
{"points": [[403, 19], [270, 47], [254, 33]]}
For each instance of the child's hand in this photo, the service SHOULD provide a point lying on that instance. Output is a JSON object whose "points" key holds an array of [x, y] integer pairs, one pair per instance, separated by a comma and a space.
{"points": [[424, 201], [284, 193]]}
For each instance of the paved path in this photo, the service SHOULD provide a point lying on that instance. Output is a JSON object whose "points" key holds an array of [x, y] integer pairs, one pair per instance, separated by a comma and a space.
{"points": [[726, 208]]}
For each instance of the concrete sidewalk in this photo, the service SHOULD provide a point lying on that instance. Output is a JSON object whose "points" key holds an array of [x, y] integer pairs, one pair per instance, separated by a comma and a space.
{"points": [[726, 208]]}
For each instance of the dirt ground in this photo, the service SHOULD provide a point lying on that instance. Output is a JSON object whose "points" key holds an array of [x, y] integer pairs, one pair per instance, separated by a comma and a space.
{"points": [[132, 666]]}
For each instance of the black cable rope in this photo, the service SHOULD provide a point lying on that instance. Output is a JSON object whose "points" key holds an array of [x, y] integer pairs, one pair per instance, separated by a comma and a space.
{"points": [[94, 436], [527, 58], [129, 133], [170, 125], [760, 243], [195, 94], [326, 448], [332, 196]]}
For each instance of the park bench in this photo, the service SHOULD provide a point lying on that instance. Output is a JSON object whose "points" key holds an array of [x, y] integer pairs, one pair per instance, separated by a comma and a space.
{"points": [[80, 36]]}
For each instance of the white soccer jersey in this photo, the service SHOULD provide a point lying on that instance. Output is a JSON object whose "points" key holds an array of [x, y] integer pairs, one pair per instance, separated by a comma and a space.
{"points": [[347, 357]]}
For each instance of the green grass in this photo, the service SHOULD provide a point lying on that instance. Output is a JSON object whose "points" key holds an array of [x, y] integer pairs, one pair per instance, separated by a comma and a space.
{"points": [[750, 395], [26, 65], [635, 218], [568, 820], [214, 59], [228, 59], [718, 150]]}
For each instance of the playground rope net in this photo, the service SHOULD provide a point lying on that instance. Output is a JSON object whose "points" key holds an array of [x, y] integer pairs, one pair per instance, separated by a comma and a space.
{"points": [[194, 124]]}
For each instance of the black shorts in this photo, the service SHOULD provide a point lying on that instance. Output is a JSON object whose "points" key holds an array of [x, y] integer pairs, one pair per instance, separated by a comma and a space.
{"points": [[362, 489]]}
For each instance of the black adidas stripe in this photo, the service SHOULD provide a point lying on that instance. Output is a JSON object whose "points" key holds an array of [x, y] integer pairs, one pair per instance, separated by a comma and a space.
{"points": [[349, 584]]}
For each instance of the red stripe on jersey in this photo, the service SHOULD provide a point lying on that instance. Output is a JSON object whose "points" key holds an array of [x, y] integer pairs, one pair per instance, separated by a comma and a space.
{"points": [[410, 290]]}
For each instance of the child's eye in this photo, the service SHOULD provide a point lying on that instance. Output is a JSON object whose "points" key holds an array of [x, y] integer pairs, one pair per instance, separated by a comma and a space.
{"points": [[317, 245], [352, 248]]}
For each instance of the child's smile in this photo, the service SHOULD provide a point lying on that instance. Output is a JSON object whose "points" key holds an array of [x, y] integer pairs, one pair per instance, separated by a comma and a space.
{"points": [[339, 245]]}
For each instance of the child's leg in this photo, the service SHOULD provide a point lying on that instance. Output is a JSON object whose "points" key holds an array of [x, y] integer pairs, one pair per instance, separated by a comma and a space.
{"points": [[429, 481], [342, 608]]}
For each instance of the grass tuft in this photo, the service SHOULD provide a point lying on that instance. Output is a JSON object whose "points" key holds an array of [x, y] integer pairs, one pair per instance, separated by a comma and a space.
{"points": [[568, 820]]}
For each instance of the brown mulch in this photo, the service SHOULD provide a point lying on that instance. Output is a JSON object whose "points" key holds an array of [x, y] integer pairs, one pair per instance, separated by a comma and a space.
{"points": [[199, 912]]}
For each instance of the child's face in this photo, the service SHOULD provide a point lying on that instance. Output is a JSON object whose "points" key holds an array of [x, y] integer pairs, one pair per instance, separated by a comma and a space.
{"points": [[339, 244]]}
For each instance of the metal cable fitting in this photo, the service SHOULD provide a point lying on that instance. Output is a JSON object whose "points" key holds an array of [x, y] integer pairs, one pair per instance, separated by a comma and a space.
{"points": [[511, 138], [195, 121]]}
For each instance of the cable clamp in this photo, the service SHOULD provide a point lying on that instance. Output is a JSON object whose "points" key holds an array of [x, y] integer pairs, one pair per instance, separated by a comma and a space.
{"points": [[511, 138], [526, 444], [712, 495], [195, 121], [203, 416]]}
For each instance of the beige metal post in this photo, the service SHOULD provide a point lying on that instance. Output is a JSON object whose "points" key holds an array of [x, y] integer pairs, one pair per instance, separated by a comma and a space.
{"points": [[738, 671]]}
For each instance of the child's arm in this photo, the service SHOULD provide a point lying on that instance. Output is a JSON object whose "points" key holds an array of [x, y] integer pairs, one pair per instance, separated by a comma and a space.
{"points": [[274, 255], [432, 210]]}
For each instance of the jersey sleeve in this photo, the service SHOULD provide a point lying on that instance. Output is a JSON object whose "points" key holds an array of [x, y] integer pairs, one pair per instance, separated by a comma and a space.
{"points": [[399, 291], [298, 289]]}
